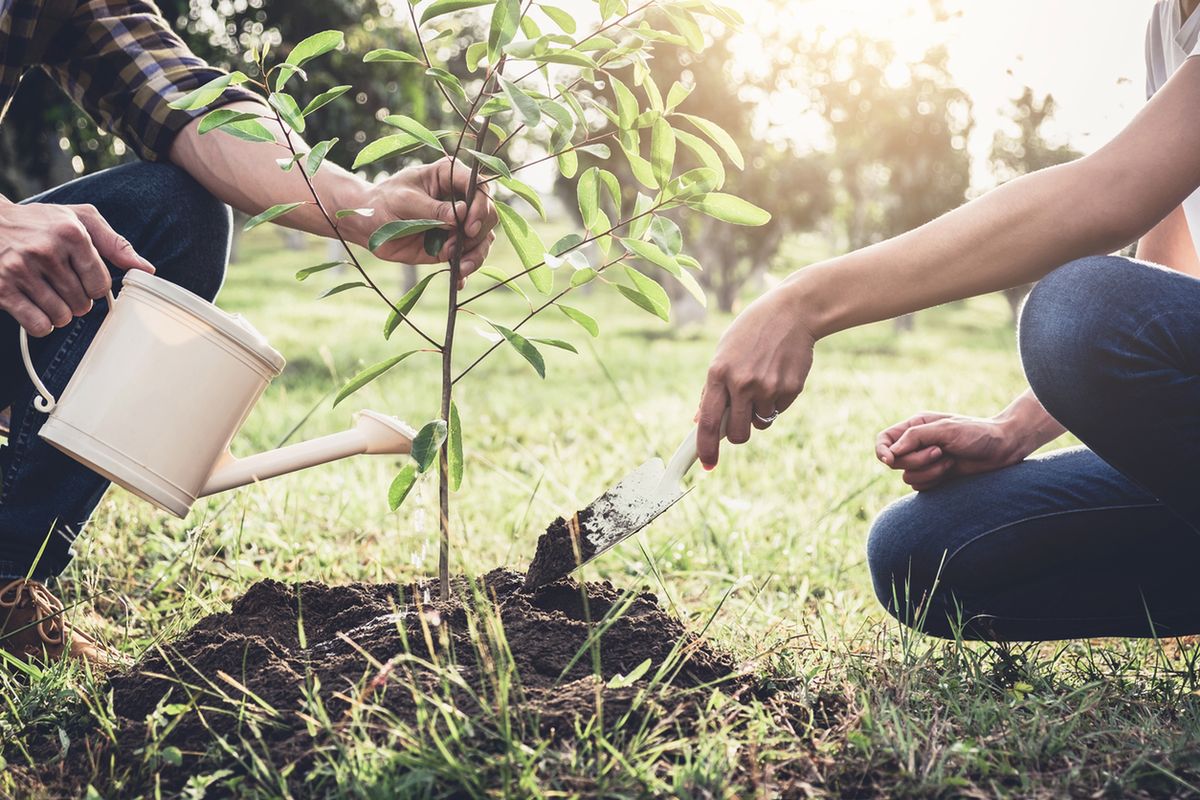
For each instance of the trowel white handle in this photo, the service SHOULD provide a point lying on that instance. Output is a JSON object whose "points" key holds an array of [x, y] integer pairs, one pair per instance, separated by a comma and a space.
{"points": [[686, 455], [44, 402]]}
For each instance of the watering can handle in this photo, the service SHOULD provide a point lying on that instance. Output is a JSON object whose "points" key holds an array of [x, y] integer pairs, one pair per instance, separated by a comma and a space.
{"points": [[44, 402]]}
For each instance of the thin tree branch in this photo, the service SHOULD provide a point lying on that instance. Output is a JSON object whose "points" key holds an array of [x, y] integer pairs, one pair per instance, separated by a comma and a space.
{"points": [[533, 313]]}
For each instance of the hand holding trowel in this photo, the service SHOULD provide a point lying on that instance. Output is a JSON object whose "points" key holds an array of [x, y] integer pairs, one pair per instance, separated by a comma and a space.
{"points": [[613, 517]]}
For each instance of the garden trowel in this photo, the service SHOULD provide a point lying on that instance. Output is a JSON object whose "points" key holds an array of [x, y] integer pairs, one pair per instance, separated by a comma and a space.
{"points": [[612, 517]]}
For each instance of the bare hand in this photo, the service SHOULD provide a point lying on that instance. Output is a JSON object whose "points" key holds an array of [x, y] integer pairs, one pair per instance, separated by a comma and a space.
{"points": [[758, 370], [930, 448], [52, 262], [424, 192]]}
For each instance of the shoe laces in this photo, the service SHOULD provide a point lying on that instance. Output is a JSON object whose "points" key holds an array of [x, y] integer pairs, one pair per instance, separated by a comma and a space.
{"points": [[48, 624]]}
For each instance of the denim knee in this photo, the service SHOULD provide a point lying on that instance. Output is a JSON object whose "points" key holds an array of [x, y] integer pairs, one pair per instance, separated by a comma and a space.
{"points": [[1072, 332], [194, 228], [902, 573]]}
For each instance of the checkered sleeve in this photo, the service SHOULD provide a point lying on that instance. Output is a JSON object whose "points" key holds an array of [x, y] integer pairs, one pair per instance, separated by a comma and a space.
{"points": [[122, 63]]}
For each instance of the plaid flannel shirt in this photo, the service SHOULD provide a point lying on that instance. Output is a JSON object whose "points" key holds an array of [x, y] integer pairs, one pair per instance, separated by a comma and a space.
{"points": [[119, 60]]}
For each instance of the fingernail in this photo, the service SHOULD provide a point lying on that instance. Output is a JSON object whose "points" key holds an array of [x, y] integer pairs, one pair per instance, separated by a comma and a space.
{"points": [[709, 467]]}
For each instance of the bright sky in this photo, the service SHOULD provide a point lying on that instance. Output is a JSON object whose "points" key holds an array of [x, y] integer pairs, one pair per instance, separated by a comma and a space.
{"points": [[1087, 53]]}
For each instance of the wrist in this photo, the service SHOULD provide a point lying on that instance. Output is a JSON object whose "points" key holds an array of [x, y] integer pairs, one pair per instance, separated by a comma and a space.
{"points": [[811, 296], [347, 191], [1027, 425]]}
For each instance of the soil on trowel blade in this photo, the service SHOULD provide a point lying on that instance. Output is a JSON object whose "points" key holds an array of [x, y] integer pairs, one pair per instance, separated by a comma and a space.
{"points": [[562, 548], [278, 641]]}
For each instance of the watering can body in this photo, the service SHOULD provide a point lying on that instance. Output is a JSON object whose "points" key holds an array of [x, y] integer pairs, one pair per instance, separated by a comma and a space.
{"points": [[165, 387]]}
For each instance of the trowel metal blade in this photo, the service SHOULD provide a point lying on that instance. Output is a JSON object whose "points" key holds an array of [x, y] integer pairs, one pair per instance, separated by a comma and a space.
{"points": [[625, 509]]}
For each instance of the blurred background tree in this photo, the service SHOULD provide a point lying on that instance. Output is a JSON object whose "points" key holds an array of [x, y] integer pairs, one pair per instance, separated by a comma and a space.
{"points": [[841, 137], [1025, 149]]}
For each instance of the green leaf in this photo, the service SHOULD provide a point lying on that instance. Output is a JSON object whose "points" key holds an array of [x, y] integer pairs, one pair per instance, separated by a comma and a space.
{"points": [[316, 45], [526, 193], [402, 485], [582, 276], [172, 755], [325, 98], [284, 73], [206, 94], [446, 79], [505, 18], [251, 130], [288, 110], [561, 18], [528, 245], [369, 374], [662, 150], [568, 242], [568, 164], [454, 455], [426, 443], [561, 344], [493, 163], [356, 212], [434, 241], [385, 54], [728, 208], [719, 137], [651, 253], [522, 346], [499, 276], [475, 54], [588, 192], [693, 286], [271, 213], [632, 677], [316, 156], [666, 234], [415, 129], [341, 287], [599, 150], [687, 27], [387, 146], [641, 218], [627, 105], [677, 95], [570, 57], [610, 182], [583, 320], [405, 305], [529, 109], [305, 273], [223, 116], [399, 228], [441, 7], [647, 294], [704, 152]]}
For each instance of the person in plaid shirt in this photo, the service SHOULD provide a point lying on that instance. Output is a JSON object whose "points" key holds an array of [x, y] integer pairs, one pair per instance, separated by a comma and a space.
{"points": [[169, 214]]}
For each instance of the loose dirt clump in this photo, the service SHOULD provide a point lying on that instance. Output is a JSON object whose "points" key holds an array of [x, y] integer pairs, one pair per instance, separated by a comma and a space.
{"points": [[560, 550], [246, 674]]}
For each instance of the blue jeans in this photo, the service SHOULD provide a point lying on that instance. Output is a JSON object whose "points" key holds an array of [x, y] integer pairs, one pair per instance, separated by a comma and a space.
{"points": [[1102, 540], [45, 497]]}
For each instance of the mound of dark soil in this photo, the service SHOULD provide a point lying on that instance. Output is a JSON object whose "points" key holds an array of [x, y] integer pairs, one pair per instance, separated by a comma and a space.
{"points": [[360, 644]]}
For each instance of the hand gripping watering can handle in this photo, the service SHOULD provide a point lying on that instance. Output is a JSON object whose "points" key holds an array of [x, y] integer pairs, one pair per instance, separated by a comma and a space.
{"points": [[44, 402]]}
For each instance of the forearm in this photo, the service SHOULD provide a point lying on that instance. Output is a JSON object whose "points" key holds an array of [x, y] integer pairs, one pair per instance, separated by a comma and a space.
{"points": [[1028, 425], [246, 176], [1022, 230]]}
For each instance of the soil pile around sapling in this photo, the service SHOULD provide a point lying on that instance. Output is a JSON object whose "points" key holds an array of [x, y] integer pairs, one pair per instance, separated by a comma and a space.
{"points": [[260, 660]]}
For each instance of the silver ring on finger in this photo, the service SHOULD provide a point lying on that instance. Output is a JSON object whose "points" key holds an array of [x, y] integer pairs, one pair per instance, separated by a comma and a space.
{"points": [[766, 420]]}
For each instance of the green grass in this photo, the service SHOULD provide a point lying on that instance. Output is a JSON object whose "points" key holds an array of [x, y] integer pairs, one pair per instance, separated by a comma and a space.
{"points": [[779, 527]]}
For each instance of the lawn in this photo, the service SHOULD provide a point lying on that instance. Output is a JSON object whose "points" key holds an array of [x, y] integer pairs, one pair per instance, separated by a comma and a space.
{"points": [[765, 555]]}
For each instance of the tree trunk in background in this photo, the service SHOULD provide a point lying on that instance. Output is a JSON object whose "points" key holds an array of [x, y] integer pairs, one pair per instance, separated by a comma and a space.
{"points": [[235, 243], [904, 323], [408, 277], [292, 239]]}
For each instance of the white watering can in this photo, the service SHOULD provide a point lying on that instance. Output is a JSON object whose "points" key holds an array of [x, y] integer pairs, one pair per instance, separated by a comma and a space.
{"points": [[164, 388]]}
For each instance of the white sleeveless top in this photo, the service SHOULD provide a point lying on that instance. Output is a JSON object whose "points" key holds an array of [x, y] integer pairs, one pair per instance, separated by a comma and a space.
{"points": [[1171, 40]]}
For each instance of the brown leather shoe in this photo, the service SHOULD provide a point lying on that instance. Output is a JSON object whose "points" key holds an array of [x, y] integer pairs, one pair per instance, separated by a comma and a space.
{"points": [[33, 627]]}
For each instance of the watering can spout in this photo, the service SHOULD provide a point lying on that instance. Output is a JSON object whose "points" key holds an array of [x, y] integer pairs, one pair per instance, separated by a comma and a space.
{"points": [[373, 433]]}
